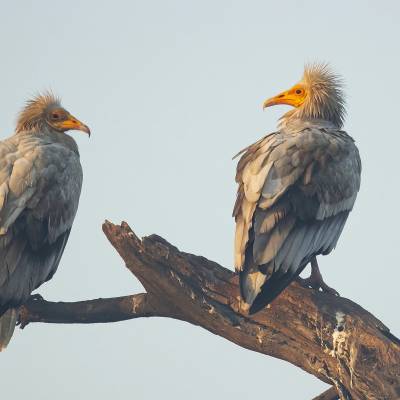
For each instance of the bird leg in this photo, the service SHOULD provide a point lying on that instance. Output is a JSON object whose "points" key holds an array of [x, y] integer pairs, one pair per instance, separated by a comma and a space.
{"points": [[315, 280]]}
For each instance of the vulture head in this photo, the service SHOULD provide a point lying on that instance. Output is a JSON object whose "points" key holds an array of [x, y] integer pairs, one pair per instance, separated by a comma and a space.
{"points": [[317, 96], [45, 111]]}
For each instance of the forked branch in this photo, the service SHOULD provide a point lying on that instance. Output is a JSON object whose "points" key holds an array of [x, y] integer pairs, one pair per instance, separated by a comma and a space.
{"points": [[330, 337]]}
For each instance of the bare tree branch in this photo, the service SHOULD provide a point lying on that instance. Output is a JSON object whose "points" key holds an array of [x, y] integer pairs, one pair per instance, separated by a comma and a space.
{"points": [[88, 312], [330, 337]]}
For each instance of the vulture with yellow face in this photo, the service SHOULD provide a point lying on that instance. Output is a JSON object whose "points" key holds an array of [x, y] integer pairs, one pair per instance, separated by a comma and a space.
{"points": [[40, 185], [297, 187]]}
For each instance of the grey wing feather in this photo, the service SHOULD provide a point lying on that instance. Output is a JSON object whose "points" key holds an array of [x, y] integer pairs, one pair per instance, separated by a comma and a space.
{"points": [[301, 245], [42, 181], [309, 184]]}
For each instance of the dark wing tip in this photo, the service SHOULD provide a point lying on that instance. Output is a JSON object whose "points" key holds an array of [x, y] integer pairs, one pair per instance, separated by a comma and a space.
{"points": [[272, 288]]}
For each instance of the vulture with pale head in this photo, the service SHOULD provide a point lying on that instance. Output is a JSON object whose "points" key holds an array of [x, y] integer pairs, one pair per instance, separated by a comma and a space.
{"points": [[40, 185], [297, 187]]}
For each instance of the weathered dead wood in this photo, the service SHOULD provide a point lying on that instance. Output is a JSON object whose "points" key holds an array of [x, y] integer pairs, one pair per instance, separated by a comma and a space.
{"points": [[330, 337], [90, 311]]}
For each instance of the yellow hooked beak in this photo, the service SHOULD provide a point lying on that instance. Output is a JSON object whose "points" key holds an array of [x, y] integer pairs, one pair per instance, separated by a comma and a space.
{"points": [[73, 123], [293, 97]]}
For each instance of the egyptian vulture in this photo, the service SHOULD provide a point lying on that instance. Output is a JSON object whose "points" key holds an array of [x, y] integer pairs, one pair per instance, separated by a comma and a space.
{"points": [[296, 188], [40, 185]]}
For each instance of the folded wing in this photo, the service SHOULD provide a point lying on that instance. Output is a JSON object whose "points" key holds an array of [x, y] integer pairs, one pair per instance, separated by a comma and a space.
{"points": [[295, 193], [40, 184]]}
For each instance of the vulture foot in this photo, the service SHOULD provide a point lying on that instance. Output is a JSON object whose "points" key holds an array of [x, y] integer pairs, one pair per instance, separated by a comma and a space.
{"points": [[35, 297], [315, 280], [23, 320]]}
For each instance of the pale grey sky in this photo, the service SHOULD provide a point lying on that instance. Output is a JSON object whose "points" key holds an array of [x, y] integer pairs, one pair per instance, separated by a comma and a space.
{"points": [[171, 90]]}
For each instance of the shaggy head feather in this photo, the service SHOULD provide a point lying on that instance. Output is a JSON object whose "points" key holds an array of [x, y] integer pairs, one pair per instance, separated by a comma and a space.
{"points": [[33, 115], [317, 97]]}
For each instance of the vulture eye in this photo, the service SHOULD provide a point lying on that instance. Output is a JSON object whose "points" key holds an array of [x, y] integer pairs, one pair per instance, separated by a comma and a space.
{"points": [[299, 91]]}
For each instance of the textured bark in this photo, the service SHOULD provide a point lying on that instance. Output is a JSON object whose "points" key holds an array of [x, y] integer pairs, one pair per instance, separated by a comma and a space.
{"points": [[330, 337]]}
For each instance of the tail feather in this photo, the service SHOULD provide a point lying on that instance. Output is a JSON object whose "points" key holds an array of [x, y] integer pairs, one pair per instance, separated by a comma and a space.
{"points": [[7, 325], [251, 283], [271, 289]]}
